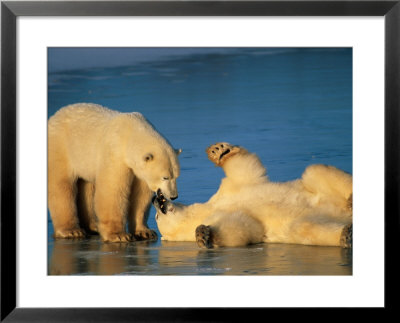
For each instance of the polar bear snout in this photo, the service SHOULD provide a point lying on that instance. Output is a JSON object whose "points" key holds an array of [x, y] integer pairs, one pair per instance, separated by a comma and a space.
{"points": [[168, 188]]}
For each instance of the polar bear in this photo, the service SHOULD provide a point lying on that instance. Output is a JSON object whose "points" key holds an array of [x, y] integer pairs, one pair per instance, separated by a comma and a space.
{"points": [[248, 208], [103, 169]]}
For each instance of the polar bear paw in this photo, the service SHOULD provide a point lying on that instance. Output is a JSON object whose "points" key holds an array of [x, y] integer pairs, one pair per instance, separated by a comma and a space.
{"points": [[346, 239], [70, 234], [145, 234], [203, 236], [220, 152], [118, 237]]}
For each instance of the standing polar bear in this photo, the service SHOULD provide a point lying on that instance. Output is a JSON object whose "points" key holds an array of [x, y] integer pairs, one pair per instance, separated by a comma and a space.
{"points": [[313, 210], [103, 167]]}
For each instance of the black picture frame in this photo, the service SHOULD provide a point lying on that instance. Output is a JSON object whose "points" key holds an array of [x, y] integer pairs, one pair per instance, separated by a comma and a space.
{"points": [[10, 10]]}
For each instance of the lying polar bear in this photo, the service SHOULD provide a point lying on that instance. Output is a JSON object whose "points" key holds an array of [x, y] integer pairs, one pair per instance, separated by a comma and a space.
{"points": [[248, 208]]}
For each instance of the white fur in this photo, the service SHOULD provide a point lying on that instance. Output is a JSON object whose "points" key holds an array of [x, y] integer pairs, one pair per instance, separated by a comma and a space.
{"points": [[248, 208], [120, 154]]}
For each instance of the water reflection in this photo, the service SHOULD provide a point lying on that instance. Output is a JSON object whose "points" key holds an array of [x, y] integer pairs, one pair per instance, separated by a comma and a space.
{"points": [[92, 257]]}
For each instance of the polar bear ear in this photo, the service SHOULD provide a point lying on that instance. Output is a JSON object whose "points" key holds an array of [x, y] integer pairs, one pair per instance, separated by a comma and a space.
{"points": [[148, 157], [178, 151]]}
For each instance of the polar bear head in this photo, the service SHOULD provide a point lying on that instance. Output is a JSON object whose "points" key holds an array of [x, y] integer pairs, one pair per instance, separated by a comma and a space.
{"points": [[150, 156], [172, 219], [159, 168]]}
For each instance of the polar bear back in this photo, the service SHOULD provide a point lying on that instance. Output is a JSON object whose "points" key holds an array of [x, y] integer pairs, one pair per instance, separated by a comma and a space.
{"points": [[90, 133]]}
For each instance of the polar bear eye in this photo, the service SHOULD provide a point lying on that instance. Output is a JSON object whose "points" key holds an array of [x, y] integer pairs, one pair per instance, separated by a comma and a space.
{"points": [[165, 178], [148, 157]]}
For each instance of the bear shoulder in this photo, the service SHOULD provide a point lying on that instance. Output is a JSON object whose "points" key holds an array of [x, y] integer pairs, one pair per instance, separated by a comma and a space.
{"points": [[245, 167]]}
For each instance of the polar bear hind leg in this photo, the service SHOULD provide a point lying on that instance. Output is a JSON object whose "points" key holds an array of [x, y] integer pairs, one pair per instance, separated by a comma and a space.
{"points": [[85, 204], [346, 239], [322, 231], [332, 185], [62, 195], [111, 203]]}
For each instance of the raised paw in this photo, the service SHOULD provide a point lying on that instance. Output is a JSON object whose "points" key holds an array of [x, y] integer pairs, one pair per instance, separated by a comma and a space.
{"points": [[220, 152], [146, 234], [118, 237], [70, 234], [203, 236], [346, 239]]}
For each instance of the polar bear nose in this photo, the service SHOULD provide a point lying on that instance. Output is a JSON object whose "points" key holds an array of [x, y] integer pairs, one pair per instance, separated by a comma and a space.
{"points": [[174, 197]]}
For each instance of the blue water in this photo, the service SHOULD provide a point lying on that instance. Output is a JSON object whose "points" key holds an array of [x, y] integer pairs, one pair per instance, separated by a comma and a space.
{"points": [[292, 106]]}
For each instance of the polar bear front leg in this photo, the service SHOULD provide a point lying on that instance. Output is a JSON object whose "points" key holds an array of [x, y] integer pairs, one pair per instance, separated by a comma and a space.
{"points": [[220, 152], [111, 201], [204, 236], [139, 209], [229, 230]]}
